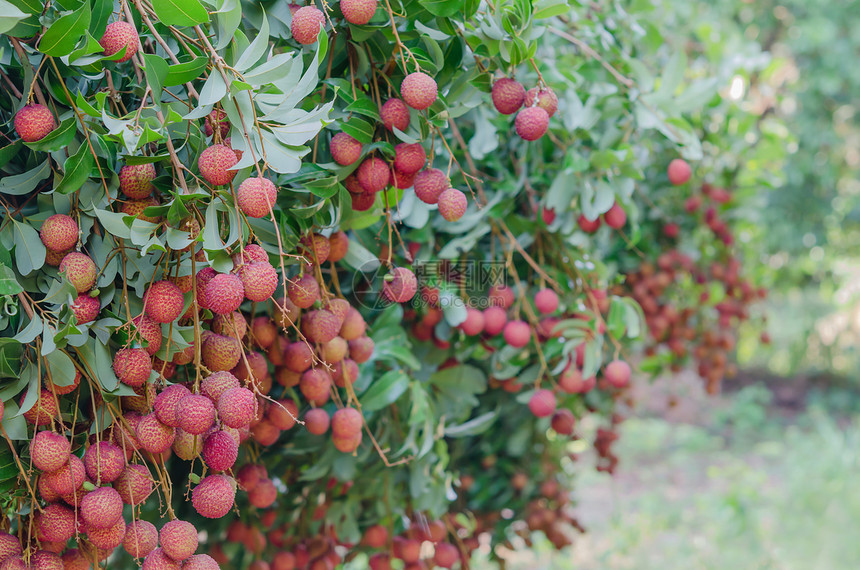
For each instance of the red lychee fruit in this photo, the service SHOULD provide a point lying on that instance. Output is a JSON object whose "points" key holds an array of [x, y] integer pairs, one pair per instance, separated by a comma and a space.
{"points": [[141, 538], [373, 174], [214, 496], [118, 36], [542, 403], [474, 323], [334, 350], [615, 217], [315, 248], [59, 232], [54, 258], [495, 319], [46, 560], [220, 450], [263, 495], [256, 197], [379, 561], [249, 475], [320, 326], [298, 356], [304, 291], [363, 201], [317, 421], [85, 308], [409, 158], [679, 172], [358, 12], [237, 407], [74, 559], [67, 478], [135, 180], [34, 122], [501, 296], [252, 368], [283, 414], [353, 325], [163, 302], [338, 245], [306, 24], [55, 523], [224, 293], [395, 114], [284, 560], [375, 536], [546, 301], [60, 390], [43, 411], [232, 324], [517, 333], [315, 385], [400, 285], [104, 462], [531, 123], [49, 450], [159, 560], [361, 349], [215, 163], [107, 538], [263, 331], [259, 280], [346, 444], [346, 422], [122, 433], [508, 95], [186, 445], [132, 366], [265, 433], [345, 371], [149, 331], [401, 180], [344, 149], [617, 373], [154, 436], [101, 508], [178, 539], [136, 208], [221, 352], [216, 117], [446, 555], [196, 414], [588, 226], [429, 184], [452, 204], [418, 90], [165, 404], [80, 270], [546, 99], [200, 562], [216, 384], [563, 422], [204, 276]]}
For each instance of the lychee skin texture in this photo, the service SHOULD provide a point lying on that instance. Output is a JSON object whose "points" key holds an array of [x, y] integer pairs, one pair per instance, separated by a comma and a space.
{"points": [[141, 538], [418, 90], [401, 180], [542, 403], [353, 325], [546, 301], [135, 180], [200, 562], [214, 496], [136, 208], [237, 407], [345, 150], [43, 410], [373, 175], [80, 270], [104, 461], [195, 413], [178, 539], [320, 326], [508, 95], [315, 248], [362, 202], [546, 99], [495, 319], [306, 24], [119, 35], [563, 422], [154, 436], [395, 114], [317, 421], [49, 450], [531, 123], [56, 523], [164, 302], [86, 308], [166, 402], [34, 122], [304, 292], [214, 164], [429, 185], [259, 281], [315, 385], [224, 293], [132, 366], [256, 197], [216, 384], [517, 333], [346, 444], [401, 286], [346, 422], [220, 451], [68, 478], [409, 158], [221, 352], [358, 12], [298, 356], [159, 560], [679, 171], [59, 232], [588, 226], [263, 495], [452, 204], [617, 373], [107, 538], [101, 508], [46, 560], [338, 245]]}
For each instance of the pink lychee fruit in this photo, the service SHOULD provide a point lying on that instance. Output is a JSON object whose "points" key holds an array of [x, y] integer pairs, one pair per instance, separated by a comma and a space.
{"points": [[345, 150], [55, 523], [85, 308], [531, 123], [215, 163], [221, 352], [214, 496], [508, 95], [429, 185], [141, 538], [361, 349], [224, 293], [59, 232], [196, 413], [49, 450], [101, 508], [256, 197], [395, 114], [317, 421], [263, 495], [474, 323], [178, 539], [135, 180], [418, 90], [542, 403], [67, 478], [132, 366], [346, 422], [338, 245], [237, 407], [546, 99], [679, 172], [409, 158], [107, 538], [315, 248], [315, 385], [80, 270], [400, 285], [588, 226], [452, 204], [149, 331], [259, 280], [495, 319], [320, 326], [373, 174], [104, 462], [163, 301], [306, 24], [33, 122], [299, 356], [353, 325], [118, 36], [216, 117], [43, 411], [220, 450], [546, 301], [159, 560], [358, 12], [217, 383], [154, 436], [563, 422], [517, 333], [200, 562], [617, 373], [615, 217]]}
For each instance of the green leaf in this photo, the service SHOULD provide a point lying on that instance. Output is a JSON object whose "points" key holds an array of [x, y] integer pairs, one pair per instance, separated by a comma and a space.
{"points": [[359, 257], [29, 250], [76, 169], [61, 38], [26, 182], [102, 10], [550, 8], [8, 282], [180, 73], [359, 129], [29, 26], [10, 15], [9, 151], [323, 187], [384, 391], [180, 12], [474, 426], [156, 72], [58, 138], [257, 49], [61, 368], [442, 8]]}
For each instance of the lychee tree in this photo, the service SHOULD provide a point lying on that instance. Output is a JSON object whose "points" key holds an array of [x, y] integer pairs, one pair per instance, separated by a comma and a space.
{"points": [[334, 283]]}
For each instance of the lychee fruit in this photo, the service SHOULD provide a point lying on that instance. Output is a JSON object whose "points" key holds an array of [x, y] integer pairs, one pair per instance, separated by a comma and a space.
{"points": [[46, 560], [315, 248], [452, 204], [401, 180], [334, 350], [283, 414], [259, 280], [232, 324], [304, 291], [74, 559], [358, 12], [263, 331], [542, 403], [80, 270], [163, 301], [345, 150], [252, 368], [338, 245], [446, 555], [474, 323], [141, 538], [501, 296], [617, 373], [159, 560], [43, 411], [256, 197], [132, 366], [517, 333], [119, 35], [546, 99], [149, 331], [134, 484], [409, 158], [186, 445], [346, 444], [216, 117], [363, 201], [353, 325], [135, 180], [221, 352], [563, 422], [85, 308], [373, 174], [237, 407], [320, 326], [298, 357], [154, 436], [345, 371], [55, 523], [215, 163], [54, 258], [196, 413], [34, 122], [495, 319], [220, 450], [508, 95], [224, 293], [59, 232], [361, 349], [104, 462], [588, 226], [249, 475], [136, 208], [615, 217], [531, 123], [49, 450], [429, 184], [418, 90], [395, 114], [679, 171], [263, 495], [67, 478], [306, 24], [107, 538], [346, 422], [546, 301], [101, 508], [216, 384], [315, 385], [400, 285], [284, 560], [200, 562], [214, 496], [178, 539]]}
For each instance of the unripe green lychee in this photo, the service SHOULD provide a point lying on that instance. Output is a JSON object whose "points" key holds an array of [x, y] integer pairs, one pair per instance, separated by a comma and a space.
{"points": [[196, 413], [373, 174], [237, 407], [80, 270], [132, 366], [259, 280], [409, 158], [221, 352], [141, 538], [344, 149], [119, 35], [315, 248], [452, 204], [34, 122], [304, 292], [320, 326], [395, 114], [400, 285], [546, 99], [508, 95], [338, 245], [134, 484], [135, 180], [178, 539], [59, 232], [418, 90], [224, 293], [256, 197], [216, 117], [49, 450], [55, 523], [215, 163], [163, 302], [358, 12], [220, 450], [531, 123], [429, 184], [104, 461], [214, 496], [101, 508], [154, 436], [306, 24], [136, 208], [85, 308]]}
